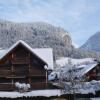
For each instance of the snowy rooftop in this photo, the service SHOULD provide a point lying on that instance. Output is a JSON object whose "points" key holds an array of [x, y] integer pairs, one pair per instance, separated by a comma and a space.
{"points": [[86, 64], [64, 60], [46, 54], [80, 66]]}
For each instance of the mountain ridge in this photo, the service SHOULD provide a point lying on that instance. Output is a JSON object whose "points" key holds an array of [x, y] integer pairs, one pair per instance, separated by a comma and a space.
{"points": [[93, 42], [41, 35]]}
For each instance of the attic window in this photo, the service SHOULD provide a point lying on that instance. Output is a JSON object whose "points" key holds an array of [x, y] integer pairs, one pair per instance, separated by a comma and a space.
{"points": [[21, 53]]}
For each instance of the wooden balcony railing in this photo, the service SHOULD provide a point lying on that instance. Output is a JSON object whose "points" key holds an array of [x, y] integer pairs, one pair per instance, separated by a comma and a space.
{"points": [[20, 72], [21, 60], [34, 72], [38, 85], [10, 74], [7, 87], [4, 73], [10, 87]]}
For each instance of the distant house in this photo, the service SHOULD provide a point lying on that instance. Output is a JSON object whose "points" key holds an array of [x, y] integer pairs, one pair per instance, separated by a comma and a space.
{"points": [[23, 64], [87, 66], [93, 73]]}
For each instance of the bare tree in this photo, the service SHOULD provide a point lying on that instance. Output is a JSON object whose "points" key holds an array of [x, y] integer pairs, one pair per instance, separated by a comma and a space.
{"points": [[70, 79]]}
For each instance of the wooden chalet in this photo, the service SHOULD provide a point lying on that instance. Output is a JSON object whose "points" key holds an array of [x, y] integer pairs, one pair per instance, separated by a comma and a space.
{"points": [[94, 73], [88, 67], [22, 64]]}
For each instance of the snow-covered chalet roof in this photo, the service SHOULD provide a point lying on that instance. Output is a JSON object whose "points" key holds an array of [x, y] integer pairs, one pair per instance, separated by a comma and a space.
{"points": [[81, 70], [45, 54], [81, 66], [64, 60], [85, 64]]}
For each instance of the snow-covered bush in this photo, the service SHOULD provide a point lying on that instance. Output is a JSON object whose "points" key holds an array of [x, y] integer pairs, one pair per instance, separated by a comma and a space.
{"points": [[22, 87]]}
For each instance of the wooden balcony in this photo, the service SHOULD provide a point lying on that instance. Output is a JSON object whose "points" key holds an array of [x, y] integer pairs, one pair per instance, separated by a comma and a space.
{"points": [[11, 87], [34, 72], [7, 87], [5, 73], [38, 85], [14, 74], [21, 60], [19, 73]]}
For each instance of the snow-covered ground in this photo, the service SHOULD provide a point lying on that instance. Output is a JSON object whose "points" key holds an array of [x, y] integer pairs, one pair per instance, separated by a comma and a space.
{"points": [[95, 98], [35, 93], [84, 88], [46, 93]]}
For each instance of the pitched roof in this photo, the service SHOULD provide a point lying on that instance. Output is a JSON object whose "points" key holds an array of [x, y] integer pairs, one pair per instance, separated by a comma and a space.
{"points": [[64, 60], [80, 67], [87, 68], [84, 65], [45, 54]]}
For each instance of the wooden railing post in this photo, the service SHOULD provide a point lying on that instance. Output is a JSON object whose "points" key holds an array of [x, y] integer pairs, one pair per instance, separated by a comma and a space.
{"points": [[46, 78], [29, 79], [12, 70]]}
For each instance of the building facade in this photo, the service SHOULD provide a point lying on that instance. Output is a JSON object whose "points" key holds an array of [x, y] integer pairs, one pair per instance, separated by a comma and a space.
{"points": [[22, 64]]}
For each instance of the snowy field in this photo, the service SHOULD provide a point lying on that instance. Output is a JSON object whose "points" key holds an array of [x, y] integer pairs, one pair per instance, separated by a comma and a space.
{"points": [[46, 93], [35, 93], [95, 98]]}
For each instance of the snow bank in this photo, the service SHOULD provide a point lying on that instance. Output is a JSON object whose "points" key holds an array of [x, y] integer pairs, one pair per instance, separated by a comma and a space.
{"points": [[45, 93]]}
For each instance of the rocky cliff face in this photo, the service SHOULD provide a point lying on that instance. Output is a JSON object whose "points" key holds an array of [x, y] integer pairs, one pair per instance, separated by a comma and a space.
{"points": [[41, 35]]}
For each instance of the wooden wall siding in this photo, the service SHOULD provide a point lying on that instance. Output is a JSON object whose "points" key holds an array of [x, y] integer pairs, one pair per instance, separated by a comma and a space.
{"points": [[11, 87], [38, 79], [21, 80], [5, 80], [6, 65], [5, 73], [21, 60], [38, 85], [20, 70], [22, 66], [7, 87], [94, 74], [35, 72]]}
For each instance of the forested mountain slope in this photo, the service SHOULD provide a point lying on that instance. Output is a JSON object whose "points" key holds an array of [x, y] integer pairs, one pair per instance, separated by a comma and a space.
{"points": [[39, 35]]}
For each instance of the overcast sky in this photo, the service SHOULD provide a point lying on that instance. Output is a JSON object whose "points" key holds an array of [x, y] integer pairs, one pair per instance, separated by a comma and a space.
{"points": [[81, 18]]}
